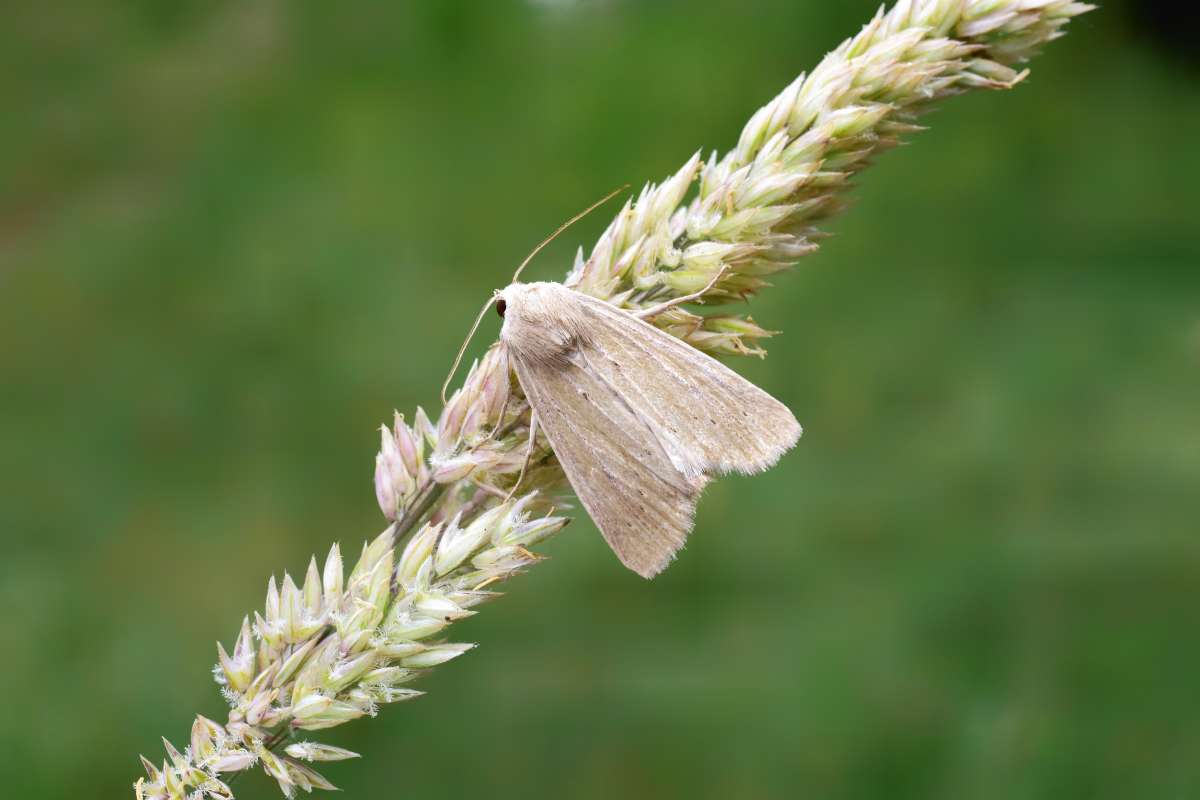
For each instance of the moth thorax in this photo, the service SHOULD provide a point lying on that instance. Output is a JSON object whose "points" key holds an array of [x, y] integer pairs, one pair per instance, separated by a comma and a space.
{"points": [[541, 320]]}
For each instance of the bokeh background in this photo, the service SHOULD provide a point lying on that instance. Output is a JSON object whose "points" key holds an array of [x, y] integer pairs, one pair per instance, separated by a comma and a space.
{"points": [[235, 235]]}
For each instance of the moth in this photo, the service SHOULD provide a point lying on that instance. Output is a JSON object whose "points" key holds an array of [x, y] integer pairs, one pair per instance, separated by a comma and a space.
{"points": [[639, 420]]}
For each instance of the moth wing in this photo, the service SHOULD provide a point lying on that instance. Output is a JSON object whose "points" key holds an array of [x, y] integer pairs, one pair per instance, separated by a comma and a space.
{"points": [[641, 502], [708, 418]]}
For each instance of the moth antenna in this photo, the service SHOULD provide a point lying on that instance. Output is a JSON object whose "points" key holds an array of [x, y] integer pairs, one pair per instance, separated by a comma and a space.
{"points": [[566, 225], [458, 358]]}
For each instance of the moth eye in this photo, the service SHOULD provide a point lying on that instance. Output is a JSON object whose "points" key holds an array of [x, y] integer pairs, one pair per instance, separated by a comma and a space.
{"points": [[500, 307]]}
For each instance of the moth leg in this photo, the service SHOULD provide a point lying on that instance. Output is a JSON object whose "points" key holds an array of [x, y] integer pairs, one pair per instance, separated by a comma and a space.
{"points": [[528, 454], [654, 311], [500, 418], [487, 488]]}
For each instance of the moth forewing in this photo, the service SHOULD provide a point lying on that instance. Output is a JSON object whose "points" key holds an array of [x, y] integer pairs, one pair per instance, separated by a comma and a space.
{"points": [[637, 418], [624, 478], [715, 420]]}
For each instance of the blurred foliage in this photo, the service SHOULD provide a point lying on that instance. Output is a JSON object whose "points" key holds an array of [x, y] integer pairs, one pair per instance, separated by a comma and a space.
{"points": [[235, 235]]}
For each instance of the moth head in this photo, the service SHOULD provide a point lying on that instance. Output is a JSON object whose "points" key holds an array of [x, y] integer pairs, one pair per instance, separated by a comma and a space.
{"points": [[503, 297], [525, 304], [520, 302], [513, 302]]}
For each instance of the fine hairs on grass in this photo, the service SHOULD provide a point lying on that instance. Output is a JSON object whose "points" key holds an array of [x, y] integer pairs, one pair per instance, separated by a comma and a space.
{"points": [[335, 647]]}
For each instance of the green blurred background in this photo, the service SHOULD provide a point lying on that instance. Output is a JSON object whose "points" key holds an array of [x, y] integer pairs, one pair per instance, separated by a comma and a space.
{"points": [[235, 235]]}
